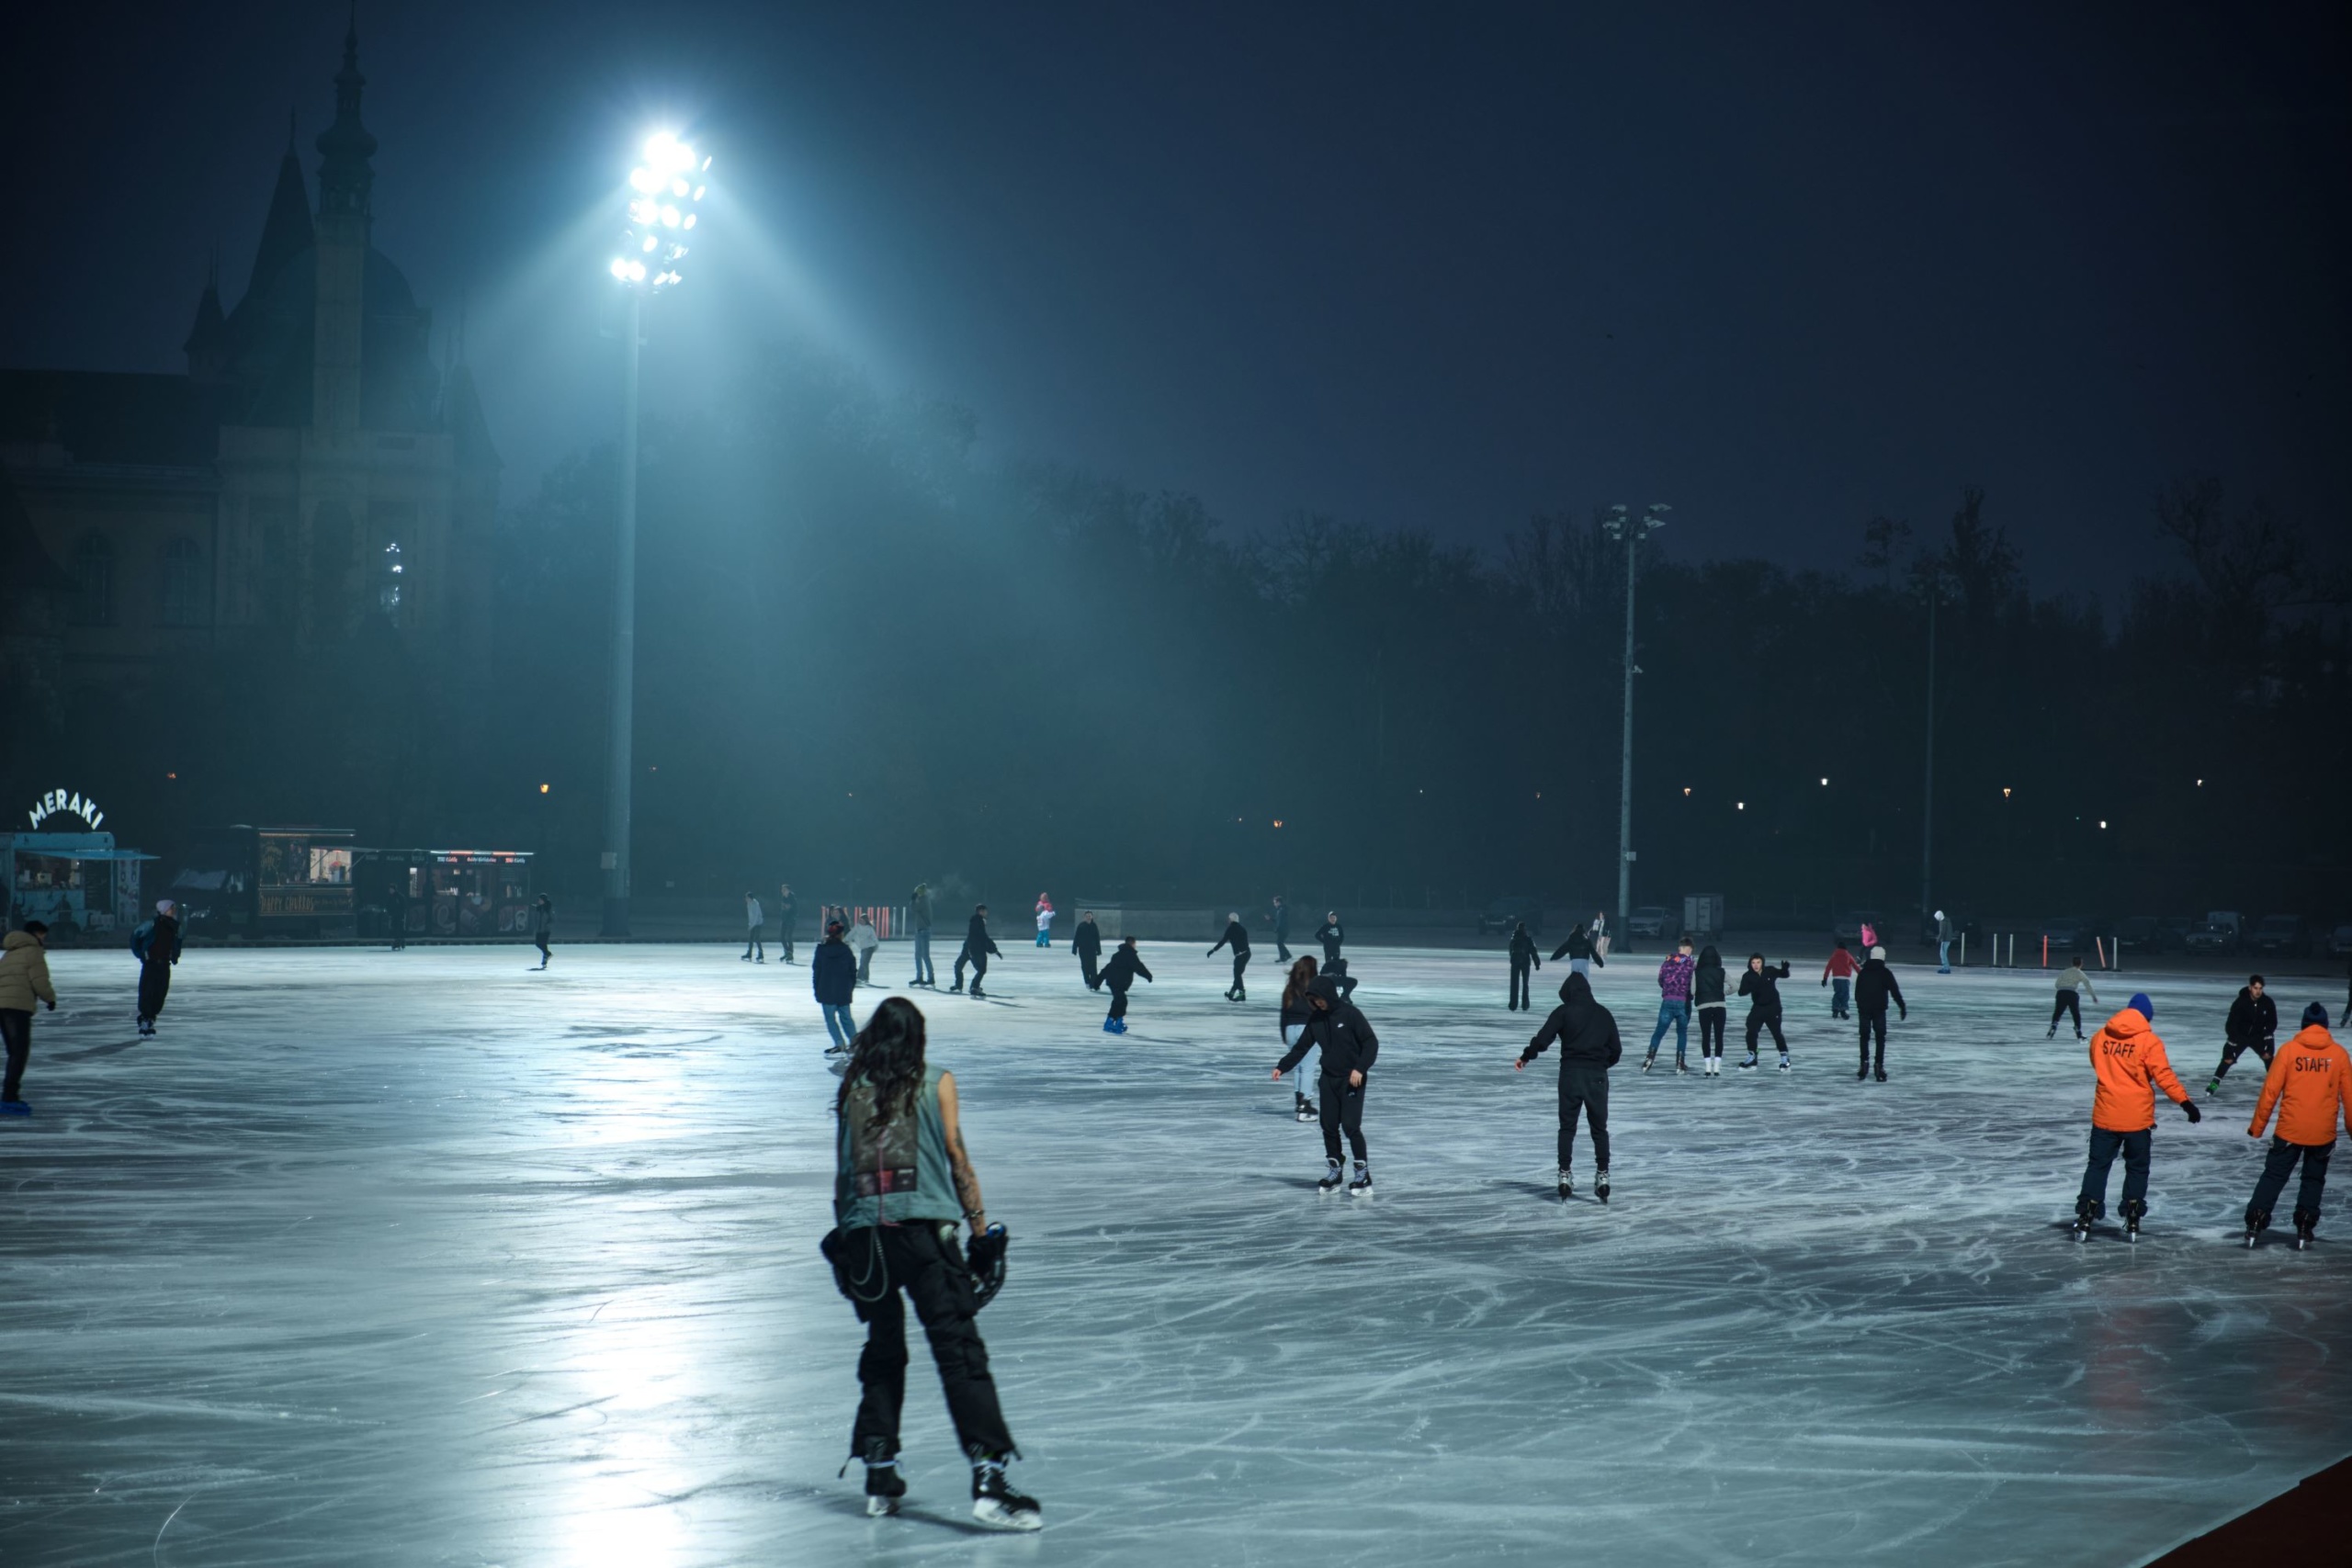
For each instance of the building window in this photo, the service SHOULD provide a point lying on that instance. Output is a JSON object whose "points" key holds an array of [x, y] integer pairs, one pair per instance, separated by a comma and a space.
{"points": [[92, 581], [184, 595], [389, 580]]}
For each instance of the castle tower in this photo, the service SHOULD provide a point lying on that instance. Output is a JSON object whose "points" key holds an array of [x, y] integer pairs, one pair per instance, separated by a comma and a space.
{"points": [[341, 241]]}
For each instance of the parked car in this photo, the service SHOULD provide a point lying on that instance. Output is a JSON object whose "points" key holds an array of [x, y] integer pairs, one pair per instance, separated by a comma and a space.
{"points": [[2172, 933], [2140, 933], [1654, 921], [2339, 942], [2280, 935], [2068, 932], [2207, 939], [2230, 918], [1850, 924], [1509, 910]]}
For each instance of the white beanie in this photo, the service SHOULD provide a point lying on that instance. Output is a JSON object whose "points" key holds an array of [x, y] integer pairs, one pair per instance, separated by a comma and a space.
{"points": [[1879, 952]]}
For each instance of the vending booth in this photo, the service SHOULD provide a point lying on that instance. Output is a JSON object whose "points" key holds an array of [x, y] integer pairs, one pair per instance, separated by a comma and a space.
{"points": [[247, 883], [76, 882], [444, 892]]}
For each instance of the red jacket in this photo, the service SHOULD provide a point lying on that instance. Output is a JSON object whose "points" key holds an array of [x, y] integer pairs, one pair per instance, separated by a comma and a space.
{"points": [[2130, 1063], [1842, 967], [2309, 1081]]}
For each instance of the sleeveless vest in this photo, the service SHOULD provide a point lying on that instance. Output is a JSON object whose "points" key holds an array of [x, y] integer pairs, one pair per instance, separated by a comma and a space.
{"points": [[900, 1174]]}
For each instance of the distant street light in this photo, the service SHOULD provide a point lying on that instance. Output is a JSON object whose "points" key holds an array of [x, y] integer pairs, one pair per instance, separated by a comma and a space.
{"points": [[1619, 525]]}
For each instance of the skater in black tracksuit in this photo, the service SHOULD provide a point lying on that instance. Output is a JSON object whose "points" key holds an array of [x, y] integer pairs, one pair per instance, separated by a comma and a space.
{"points": [[1236, 936], [156, 946], [788, 910], [1349, 1048], [1120, 974], [1297, 1014], [1523, 957], [2253, 1026], [1088, 944], [1761, 987], [1589, 1049], [543, 927], [1279, 918], [1330, 935], [1337, 972], [1873, 988], [977, 949]]}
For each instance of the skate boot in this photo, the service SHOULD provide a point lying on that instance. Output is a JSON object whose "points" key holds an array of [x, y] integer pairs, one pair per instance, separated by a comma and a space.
{"points": [[1331, 1178], [1880, 1073], [1567, 1184], [1110, 1026], [2086, 1211], [957, 989], [2212, 1087], [1863, 1071], [1361, 1186], [976, 993], [1600, 1184], [883, 1484], [2306, 1225], [1648, 1062], [2257, 1222], [1121, 1024], [1240, 995], [1750, 1065], [1305, 1109], [994, 1502], [2132, 1210], [15, 1108], [1784, 1061], [1681, 1068]]}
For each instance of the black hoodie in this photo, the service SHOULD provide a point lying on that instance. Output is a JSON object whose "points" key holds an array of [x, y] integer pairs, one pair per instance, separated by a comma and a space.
{"points": [[1121, 972], [1522, 950], [1237, 936], [1579, 946], [1587, 1030], [1873, 986], [1707, 985], [1089, 940], [975, 936], [1340, 1030], [2252, 1017], [1762, 987]]}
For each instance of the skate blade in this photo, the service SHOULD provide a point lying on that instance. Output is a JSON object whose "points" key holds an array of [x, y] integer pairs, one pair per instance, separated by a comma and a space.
{"points": [[881, 1508], [995, 1515]]}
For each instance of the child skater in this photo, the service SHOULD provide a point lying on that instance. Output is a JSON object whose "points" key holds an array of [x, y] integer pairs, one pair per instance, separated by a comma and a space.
{"points": [[2310, 1083], [1296, 1016], [1838, 976], [1707, 999], [1349, 1048], [1589, 1049], [1761, 987], [2131, 1065], [1119, 973]]}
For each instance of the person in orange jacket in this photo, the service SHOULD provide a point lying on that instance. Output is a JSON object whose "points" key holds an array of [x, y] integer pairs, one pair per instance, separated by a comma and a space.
{"points": [[2130, 1063], [2310, 1083]]}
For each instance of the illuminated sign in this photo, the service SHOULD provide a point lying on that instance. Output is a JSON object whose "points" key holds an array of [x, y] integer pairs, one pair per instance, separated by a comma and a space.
{"points": [[72, 805]]}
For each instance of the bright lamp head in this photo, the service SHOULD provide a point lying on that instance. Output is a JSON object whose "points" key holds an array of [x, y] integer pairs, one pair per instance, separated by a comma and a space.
{"points": [[661, 206]]}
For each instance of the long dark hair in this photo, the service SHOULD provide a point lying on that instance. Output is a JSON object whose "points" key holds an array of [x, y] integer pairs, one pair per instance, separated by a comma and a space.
{"points": [[887, 1056], [1302, 975]]}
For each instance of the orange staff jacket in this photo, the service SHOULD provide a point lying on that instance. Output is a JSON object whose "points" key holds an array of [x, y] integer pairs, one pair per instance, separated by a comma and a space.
{"points": [[2309, 1081]]}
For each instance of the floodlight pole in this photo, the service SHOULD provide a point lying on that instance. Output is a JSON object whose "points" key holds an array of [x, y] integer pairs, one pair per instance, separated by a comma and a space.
{"points": [[620, 766], [1928, 790], [1622, 526]]}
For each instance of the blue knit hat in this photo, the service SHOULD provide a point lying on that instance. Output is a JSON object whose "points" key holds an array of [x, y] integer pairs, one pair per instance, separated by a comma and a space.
{"points": [[2143, 1006], [2315, 1013]]}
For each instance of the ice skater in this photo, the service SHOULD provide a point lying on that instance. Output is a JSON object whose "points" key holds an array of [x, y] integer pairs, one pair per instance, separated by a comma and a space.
{"points": [[2130, 1060], [1349, 1048], [2068, 1003], [156, 946], [2310, 1084], [920, 908], [862, 940], [1297, 1014], [978, 947], [1237, 937], [787, 910], [1838, 976], [833, 974], [755, 923], [1044, 921], [902, 1179], [24, 980], [1086, 942], [1674, 978], [2253, 1025], [1872, 990], [1279, 918], [1579, 950], [1707, 986], [1525, 958], [1119, 975], [1761, 987], [1589, 1049], [1337, 972], [543, 927], [1943, 945], [1330, 934]]}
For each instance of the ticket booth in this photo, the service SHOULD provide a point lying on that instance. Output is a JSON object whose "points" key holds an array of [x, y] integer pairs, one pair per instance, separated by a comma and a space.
{"points": [[253, 883]]}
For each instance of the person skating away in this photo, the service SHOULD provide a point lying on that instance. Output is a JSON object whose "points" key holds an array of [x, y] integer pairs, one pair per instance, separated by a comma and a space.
{"points": [[833, 974], [1582, 957], [1873, 989], [24, 980], [2068, 1002], [1237, 937], [1586, 1033], [920, 907], [1707, 984], [1086, 942], [1330, 934], [1344, 1036], [1044, 921], [543, 927], [2253, 1025], [1279, 918], [902, 1179], [1838, 976], [978, 949], [1674, 977], [2309, 1082], [2130, 1060], [1337, 972], [1943, 945], [1761, 987], [862, 940], [787, 910], [1119, 975], [1525, 958], [1297, 1014], [156, 946], [755, 923]]}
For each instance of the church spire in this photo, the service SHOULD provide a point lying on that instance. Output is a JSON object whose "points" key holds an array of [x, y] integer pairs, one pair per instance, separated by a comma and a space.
{"points": [[207, 340], [285, 232], [345, 147]]}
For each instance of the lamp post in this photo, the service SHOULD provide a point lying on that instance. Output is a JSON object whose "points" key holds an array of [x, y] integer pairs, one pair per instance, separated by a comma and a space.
{"points": [[663, 193], [1927, 791], [1620, 525]]}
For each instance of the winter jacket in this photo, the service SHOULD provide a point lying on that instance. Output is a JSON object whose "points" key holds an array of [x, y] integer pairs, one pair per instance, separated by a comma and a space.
{"points": [[1943, 928], [2131, 1065], [1280, 918], [1089, 940], [1579, 946], [542, 920], [1237, 937], [1674, 977], [1842, 967], [975, 937], [2073, 980], [832, 970], [1587, 1030], [1125, 965], [921, 910], [2252, 1017], [863, 937], [2309, 1081], [157, 941], [24, 973], [1524, 953], [1762, 987], [1299, 1013], [1330, 935], [1045, 917], [1707, 980], [753, 916], [1340, 1030], [1875, 988]]}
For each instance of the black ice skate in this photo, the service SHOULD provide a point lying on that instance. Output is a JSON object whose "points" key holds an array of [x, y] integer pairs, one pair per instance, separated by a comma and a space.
{"points": [[1863, 1071], [994, 1502], [1567, 1184], [1749, 1066], [1600, 1184], [1648, 1062], [1784, 1061], [2086, 1212], [2255, 1223], [1361, 1186], [2306, 1225], [2132, 1210], [1881, 1075], [1331, 1178], [1305, 1109], [883, 1484], [978, 992]]}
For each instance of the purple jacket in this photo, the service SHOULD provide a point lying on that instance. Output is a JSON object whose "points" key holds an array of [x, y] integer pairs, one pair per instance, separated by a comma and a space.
{"points": [[1674, 977]]}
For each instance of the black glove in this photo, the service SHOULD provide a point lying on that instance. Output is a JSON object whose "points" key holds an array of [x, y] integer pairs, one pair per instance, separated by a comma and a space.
{"points": [[2188, 1109]]}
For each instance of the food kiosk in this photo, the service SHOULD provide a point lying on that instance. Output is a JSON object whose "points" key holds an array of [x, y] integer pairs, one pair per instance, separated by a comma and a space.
{"points": [[246, 883], [444, 892]]}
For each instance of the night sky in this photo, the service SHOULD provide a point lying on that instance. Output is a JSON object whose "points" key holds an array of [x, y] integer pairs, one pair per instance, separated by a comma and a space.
{"points": [[1447, 267]]}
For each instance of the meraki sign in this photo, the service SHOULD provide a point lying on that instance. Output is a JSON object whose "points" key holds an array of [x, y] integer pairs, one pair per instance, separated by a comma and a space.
{"points": [[71, 805]]}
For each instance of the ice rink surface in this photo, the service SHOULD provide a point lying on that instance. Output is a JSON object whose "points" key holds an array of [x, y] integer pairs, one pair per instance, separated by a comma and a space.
{"points": [[421, 1258]]}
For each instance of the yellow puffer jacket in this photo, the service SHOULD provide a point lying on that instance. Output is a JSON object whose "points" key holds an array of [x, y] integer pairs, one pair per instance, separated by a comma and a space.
{"points": [[24, 973]]}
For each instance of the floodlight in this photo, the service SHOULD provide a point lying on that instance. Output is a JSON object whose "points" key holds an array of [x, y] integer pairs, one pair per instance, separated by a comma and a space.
{"points": [[644, 179]]}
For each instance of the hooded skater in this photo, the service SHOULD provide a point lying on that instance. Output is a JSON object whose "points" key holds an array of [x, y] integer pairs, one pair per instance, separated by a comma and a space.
{"points": [[2253, 1025], [756, 927], [1330, 934], [1943, 943], [24, 980], [977, 948], [156, 946], [788, 910], [1337, 972], [1579, 950], [1872, 990], [833, 974], [1707, 984], [1674, 977], [1587, 1033], [2310, 1083], [543, 927], [920, 908], [1279, 918], [2131, 1065], [1839, 974], [1343, 1035], [1761, 987], [1237, 937], [1120, 975], [1044, 921], [1525, 958], [1086, 942], [903, 1181], [1297, 1014], [2068, 1003]]}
